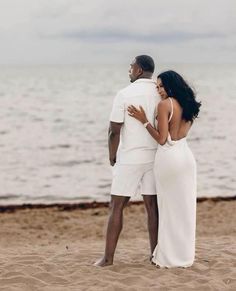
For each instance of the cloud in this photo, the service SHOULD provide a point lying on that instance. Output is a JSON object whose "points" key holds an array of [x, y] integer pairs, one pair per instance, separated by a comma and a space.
{"points": [[63, 30], [123, 36]]}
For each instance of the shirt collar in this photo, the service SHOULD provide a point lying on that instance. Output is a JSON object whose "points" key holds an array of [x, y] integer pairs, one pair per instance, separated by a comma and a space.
{"points": [[145, 80]]}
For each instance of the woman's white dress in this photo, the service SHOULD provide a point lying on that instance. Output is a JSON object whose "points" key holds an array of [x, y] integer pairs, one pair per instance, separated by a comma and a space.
{"points": [[175, 173]]}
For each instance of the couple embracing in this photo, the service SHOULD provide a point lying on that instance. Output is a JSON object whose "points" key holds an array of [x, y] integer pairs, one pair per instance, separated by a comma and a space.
{"points": [[149, 123]]}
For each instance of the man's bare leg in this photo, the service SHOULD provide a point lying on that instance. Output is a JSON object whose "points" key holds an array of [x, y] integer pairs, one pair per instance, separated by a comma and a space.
{"points": [[114, 227], [150, 202]]}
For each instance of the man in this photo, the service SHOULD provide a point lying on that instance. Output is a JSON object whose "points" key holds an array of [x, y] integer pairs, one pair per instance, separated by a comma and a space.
{"points": [[132, 151]]}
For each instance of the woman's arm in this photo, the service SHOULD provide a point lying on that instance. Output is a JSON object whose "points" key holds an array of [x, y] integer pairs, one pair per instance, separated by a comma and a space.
{"points": [[160, 134], [162, 121]]}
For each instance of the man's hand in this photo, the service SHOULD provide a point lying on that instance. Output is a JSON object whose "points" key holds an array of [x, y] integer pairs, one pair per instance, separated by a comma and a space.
{"points": [[112, 161]]}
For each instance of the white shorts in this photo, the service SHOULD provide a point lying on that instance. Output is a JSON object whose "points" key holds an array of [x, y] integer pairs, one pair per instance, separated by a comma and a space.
{"points": [[130, 180]]}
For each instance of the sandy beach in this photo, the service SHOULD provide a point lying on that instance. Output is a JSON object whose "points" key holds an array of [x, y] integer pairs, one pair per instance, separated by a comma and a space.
{"points": [[53, 248]]}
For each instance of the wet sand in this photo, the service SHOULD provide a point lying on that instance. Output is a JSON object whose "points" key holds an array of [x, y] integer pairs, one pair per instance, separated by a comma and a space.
{"points": [[54, 247]]}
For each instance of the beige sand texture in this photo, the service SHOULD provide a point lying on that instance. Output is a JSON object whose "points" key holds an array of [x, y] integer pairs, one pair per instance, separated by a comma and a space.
{"points": [[53, 249]]}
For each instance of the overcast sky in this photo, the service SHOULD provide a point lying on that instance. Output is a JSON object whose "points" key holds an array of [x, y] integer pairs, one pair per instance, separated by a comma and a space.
{"points": [[105, 31]]}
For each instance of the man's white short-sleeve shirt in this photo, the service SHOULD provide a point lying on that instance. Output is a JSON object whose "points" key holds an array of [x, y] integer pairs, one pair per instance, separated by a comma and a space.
{"points": [[136, 144]]}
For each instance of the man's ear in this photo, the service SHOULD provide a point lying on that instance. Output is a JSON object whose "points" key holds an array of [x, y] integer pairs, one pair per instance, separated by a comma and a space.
{"points": [[140, 71]]}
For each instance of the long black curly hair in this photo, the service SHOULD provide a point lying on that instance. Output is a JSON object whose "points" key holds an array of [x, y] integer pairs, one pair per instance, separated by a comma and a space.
{"points": [[176, 87]]}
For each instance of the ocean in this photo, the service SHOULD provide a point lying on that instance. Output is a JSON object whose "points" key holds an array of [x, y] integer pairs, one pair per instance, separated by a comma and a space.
{"points": [[54, 121]]}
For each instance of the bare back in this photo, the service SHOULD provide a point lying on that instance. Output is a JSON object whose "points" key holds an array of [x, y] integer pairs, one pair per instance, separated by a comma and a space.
{"points": [[178, 127]]}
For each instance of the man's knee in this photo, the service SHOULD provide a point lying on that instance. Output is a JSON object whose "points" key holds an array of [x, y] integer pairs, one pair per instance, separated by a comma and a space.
{"points": [[118, 202], [150, 202]]}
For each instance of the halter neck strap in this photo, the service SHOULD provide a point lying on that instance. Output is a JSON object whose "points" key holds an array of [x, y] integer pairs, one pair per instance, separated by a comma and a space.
{"points": [[172, 109]]}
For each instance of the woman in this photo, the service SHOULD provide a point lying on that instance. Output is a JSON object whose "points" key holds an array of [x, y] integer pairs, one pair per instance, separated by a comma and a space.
{"points": [[175, 170]]}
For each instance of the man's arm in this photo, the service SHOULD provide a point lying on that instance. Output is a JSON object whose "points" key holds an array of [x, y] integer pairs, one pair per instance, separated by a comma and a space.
{"points": [[113, 140]]}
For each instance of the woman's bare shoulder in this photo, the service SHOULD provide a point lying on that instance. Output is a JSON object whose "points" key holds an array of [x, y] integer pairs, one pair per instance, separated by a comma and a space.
{"points": [[163, 104]]}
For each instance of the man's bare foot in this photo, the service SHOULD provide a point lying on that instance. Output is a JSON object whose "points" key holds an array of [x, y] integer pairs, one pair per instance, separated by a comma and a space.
{"points": [[103, 263]]}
